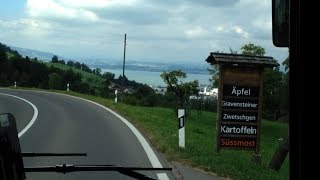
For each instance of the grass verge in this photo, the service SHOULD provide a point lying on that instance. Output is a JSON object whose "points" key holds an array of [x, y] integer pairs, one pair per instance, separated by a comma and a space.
{"points": [[160, 126]]}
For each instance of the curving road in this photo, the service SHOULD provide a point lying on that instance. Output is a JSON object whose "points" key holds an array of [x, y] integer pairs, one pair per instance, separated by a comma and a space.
{"points": [[66, 124]]}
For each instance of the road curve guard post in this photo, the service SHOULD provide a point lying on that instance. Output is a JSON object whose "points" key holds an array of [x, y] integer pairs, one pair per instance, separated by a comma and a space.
{"points": [[181, 116], [116, 94], [240, 100]]}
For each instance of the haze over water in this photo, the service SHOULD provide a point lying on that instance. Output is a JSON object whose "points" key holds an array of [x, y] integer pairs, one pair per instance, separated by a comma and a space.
{"points": [[153, 78]]}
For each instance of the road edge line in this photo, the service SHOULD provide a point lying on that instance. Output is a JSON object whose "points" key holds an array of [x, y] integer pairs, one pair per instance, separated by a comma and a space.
{"points": [[146, 146], [35, 114]]}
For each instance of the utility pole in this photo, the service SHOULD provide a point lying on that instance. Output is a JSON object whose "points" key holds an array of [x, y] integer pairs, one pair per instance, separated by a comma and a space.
{"points": [[124, 60]]}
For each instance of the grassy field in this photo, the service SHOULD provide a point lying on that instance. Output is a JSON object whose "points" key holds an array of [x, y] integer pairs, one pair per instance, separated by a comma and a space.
{"points": [[160, 126], [89, 78]]}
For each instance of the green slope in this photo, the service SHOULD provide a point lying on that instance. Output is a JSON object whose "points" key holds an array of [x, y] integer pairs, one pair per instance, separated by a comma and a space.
{"points": [[92, 79]]}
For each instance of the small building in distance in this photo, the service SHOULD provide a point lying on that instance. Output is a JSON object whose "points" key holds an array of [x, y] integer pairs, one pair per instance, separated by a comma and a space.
{"points": [[208, 92]]}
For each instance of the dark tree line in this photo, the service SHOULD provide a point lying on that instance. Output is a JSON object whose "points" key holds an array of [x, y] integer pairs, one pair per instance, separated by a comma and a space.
{"points": [[70, 63], [26, 72]]}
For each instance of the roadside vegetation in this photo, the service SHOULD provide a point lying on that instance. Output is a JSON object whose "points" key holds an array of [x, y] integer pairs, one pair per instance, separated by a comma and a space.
{"points": [[160, 126], [155, 114]]}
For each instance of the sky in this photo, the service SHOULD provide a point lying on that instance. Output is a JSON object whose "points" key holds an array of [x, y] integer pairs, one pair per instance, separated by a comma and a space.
{"points": [[157, 30]]}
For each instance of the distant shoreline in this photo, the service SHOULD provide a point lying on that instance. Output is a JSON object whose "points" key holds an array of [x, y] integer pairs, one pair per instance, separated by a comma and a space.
{"points": [[153, 77]]}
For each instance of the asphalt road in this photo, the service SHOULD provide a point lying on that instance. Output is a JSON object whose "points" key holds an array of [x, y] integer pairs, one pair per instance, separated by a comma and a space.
{"points": [[69, 125]]}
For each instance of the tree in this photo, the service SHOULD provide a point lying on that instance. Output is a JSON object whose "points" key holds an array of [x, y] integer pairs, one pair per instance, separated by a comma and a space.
{"points": [[85, 68], [55, 81], [3, 53], [97, 71], [25, 79], [62, 62], [55, 59], [108, 76], [70, 63], [272, 83], [145, 96], [214, 72], [3, 79], [286, 64], [182, 90], [77, 65], [253, 50], [273, 90]]}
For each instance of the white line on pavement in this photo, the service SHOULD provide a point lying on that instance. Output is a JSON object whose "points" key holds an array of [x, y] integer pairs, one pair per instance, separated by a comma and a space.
{"points": [[35, 114]]}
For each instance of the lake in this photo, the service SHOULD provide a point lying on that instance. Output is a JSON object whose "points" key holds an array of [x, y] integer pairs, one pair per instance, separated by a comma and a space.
{"points": [[153, 78]]}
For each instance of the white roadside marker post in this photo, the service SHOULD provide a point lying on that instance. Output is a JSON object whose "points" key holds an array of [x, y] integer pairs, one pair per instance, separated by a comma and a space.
{"points": [[116, 99], [181, 113]]}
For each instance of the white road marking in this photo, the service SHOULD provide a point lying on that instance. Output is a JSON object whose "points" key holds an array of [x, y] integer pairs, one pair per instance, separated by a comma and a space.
{"points": [[35, 114], [147, 148], [151, 155]]}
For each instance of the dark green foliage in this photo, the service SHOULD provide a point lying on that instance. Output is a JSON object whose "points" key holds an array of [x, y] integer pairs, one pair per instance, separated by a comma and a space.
{"points": [[77, 65], [62, 62], [70, 63], [275, 86], [85, 68], [108, 76], [143, 96], [104, 89], [55, 81], [32, 73], [55, 59], [181, 90], [253, 50]]}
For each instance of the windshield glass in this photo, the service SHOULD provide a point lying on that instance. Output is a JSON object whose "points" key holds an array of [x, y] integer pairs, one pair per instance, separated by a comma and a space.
{"points": [[195, 85]]}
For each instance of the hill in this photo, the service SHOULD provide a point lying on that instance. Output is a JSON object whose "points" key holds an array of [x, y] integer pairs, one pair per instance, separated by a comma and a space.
{"points": [[45, 56], [90, 78]]}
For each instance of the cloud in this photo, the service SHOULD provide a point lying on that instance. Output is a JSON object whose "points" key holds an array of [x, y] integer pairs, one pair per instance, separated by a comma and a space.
{"points": [[263, 23], [196, 32], [175, 3], [240, 31], [94, 4], [141, 15], [220, 29], [52, 9], [25, 25], [166, 28], [232, 31], [217, 3]]}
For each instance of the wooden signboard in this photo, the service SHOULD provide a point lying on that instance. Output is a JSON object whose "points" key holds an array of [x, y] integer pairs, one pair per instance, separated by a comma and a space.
{"points": [[239, 108]]}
